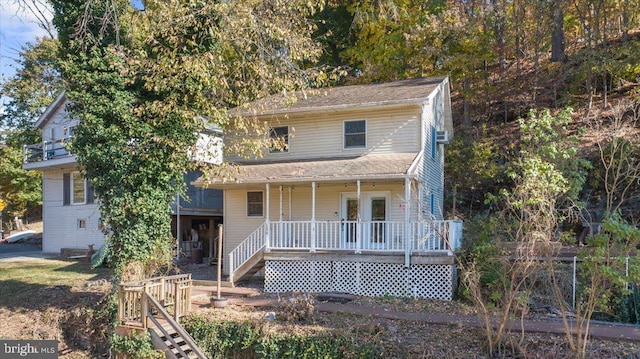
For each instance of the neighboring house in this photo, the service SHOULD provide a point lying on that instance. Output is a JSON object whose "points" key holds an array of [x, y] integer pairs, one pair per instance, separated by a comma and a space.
{"points": [[71, 213], [354, 202]]}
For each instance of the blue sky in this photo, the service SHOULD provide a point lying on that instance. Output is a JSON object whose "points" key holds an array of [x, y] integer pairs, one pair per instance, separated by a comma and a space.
{"points": [[17, 27]]}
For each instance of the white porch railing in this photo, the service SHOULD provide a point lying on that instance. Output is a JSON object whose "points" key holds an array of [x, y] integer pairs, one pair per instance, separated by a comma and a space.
{"points": [[257, 241], [370, 236]]}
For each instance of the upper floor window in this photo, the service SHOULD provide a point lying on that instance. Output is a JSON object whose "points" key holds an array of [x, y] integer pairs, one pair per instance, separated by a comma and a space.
{"points": [[255, 204], [68, 131], [280, 139], [76, 189], [355, 134]]}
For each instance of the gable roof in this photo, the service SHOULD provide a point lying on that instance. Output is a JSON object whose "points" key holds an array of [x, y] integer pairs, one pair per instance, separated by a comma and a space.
{"points": [[403, 92], [59, 101]]}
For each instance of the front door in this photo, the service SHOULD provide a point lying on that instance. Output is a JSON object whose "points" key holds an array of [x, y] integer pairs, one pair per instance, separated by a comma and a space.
{"points": [[367, 222]]}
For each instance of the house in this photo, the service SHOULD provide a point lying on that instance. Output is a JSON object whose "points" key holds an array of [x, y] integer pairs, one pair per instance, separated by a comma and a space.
{"points": [[354, 201], [71, 213]]}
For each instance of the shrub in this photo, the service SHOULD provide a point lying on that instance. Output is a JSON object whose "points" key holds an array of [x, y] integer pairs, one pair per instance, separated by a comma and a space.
{"points": [[135, 347], [251, 340]]}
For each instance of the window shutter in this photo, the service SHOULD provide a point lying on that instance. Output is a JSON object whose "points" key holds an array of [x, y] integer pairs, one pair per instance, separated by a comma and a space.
{"points": [[66, 188], [89, 190]]}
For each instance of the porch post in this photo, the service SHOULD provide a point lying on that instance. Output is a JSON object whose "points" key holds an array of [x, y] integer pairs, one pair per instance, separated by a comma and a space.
{"points": [[408, 241], [290, 190], [280, 213], [280, 224], [267, 230], [359, 224], [313, 217], [178, 229]]}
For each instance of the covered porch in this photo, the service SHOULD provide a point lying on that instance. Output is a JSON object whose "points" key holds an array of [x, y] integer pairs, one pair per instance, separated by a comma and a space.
{"points": [[339, 224]]}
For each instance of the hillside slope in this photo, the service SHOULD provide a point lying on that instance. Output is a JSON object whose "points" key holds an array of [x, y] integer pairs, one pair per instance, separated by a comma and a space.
{"points": [[487, 131]]}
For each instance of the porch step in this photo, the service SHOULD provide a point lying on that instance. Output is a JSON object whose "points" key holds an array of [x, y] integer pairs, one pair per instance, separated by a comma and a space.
{"points": [[249, 268]]}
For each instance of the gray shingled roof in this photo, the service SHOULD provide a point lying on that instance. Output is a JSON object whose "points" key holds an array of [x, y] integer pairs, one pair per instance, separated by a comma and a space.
{"points": [[353, 96], [385, 166]]}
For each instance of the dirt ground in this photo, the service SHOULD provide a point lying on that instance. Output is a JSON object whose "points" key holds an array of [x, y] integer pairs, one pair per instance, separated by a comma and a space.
{"points": [[62, 311], [413, 339]]}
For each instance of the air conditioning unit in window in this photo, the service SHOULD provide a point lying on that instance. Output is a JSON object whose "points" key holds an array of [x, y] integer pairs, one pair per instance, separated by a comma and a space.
{"points": [[442, 137]]}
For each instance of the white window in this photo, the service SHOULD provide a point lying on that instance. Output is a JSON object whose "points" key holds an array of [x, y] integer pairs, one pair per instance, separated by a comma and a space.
{"points": [[355, 134], [68, 131], [255, 204], [280, 136], [78, 194], [82, 223], [76, 189]]}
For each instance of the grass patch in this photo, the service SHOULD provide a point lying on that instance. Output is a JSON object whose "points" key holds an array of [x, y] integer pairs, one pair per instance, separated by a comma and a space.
{"points": [[24, 284]]}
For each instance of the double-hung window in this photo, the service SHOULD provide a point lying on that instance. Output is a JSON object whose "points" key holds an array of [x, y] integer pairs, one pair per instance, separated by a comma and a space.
{"points": [[255, 204], [355, 134], [76, 189], [280, 139]]}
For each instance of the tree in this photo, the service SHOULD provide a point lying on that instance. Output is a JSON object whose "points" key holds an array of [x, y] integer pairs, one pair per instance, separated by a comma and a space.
{"points": [[34, 87], [28, 93], [454, 42], [546, 182], [380, 49], [19, 189], [144, 83], [557, 37]]}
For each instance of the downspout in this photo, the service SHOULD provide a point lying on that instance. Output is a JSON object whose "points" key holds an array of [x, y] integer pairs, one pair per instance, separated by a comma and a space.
{"points": [[407, 222]]}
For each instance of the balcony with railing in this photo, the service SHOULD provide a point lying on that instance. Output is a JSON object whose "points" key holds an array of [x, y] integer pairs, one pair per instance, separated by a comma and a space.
{"points": [[47, 153]]}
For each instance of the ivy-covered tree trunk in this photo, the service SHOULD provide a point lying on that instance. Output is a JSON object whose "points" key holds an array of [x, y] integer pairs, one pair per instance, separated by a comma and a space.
{"points": [[144, 83]]}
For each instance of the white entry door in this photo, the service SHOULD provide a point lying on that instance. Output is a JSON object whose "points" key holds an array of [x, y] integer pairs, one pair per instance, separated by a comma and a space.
{"points": [[366, 221]]}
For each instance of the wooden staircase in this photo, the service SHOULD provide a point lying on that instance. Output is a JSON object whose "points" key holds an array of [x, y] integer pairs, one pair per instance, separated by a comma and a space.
{"points": [[249, 268], [169, 336], [142, 306], [172, 343]]}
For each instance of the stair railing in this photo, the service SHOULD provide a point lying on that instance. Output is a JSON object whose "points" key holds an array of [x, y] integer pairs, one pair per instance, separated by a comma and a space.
{"points": [[151, 305], [253, 244]]}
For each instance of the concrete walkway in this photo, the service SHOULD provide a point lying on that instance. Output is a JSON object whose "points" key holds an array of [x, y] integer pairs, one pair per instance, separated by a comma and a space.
{"points": [[249, 297], [20, 252]]}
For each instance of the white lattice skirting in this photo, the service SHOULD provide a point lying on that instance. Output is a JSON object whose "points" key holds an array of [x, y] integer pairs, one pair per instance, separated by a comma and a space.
{"points": [[435, 281]]}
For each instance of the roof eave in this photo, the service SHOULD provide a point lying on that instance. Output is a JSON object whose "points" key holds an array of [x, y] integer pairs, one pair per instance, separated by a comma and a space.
{"points": [[51, 109], [338, 108], [231, 183]]}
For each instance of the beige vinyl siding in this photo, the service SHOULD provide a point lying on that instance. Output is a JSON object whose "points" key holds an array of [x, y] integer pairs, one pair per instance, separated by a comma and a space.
{"points": [[237, 226], [61, 222], [388, 131]]}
